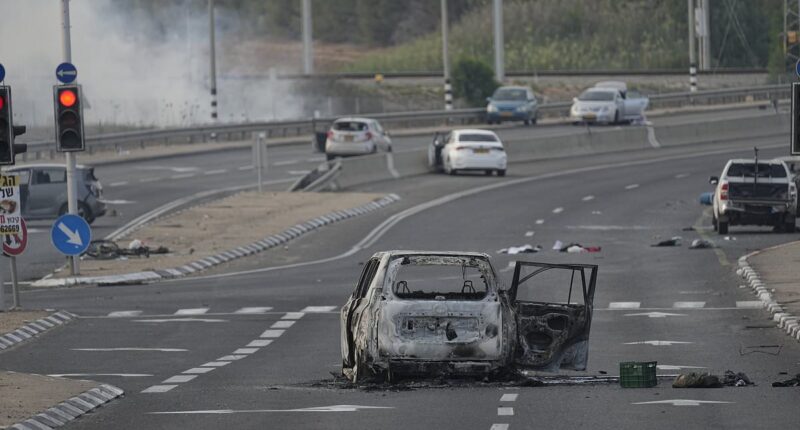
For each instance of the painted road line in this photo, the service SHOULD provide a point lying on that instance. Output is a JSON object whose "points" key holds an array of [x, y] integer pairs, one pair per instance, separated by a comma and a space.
{"points": [[245, 168], [318, 309], [658, 342], [83, 375], [158, 388], [682, 175], [655, 315], [285, 163], [216, 172], [216, 364], [254, 310], [750, 304], [334, 408], [193, 311], [179, 379], [118, 184], [293, 316], [505, 411], [509, 398], [298, 172], [131, 349], [539, 221], [689, 305], [259, 343], [198, 370], [231, 357], [245, 351], [529, 233], [681, 402], [165, 320], [272, 333], [149, 179], [631, 186], [183, 176], [282, 324], [119, 314], [624, 305], [558, 210], [588, 198], [499, 427]]}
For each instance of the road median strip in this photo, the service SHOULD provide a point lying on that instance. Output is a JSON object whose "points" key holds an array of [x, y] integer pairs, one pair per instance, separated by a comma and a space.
{"points": [[33, 329]]}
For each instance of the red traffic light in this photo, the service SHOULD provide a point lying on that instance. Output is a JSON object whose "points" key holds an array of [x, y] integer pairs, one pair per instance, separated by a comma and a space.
{"points": [[2, 102], [67, 98]]}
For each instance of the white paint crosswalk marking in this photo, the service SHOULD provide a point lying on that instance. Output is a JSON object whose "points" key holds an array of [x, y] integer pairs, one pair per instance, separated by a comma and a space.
{"points": [[231, 357], [318, 309], [509, 398], [624, 305], [254, 310], [121, 314], [499, 427], [750, 304], [259, 343], [158, 388], [191, 311], [179, 379], [245, 351], [689, 305], [282, 324], [292, 316], [199, 370], [505, 411], [272, 333], [216, 364]]}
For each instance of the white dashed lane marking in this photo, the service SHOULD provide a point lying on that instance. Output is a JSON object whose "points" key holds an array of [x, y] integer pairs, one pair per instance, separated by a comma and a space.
{"points": [[130, 349], [509, 398], [84, 375], [505, 411], [254, 310], [216, 172], [246, 168], [259, 343], [198, 370], [245, 351], [499, 427], [216, 363], [624, 305], [158, 388], [118, 184], [558, 210], [166, 320], [754, 304], [179, 379], [588, 198], [292, 316], [318, 309], [282, 324], [539, 221], [689, 305], [681, 175], [631, 186], [194, 311], [285, 163], [125, 314], [184, 176], [272, 333]]}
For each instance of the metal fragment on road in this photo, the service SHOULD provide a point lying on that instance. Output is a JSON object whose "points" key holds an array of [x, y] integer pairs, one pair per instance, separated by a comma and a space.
{"points": [[658, 342]]}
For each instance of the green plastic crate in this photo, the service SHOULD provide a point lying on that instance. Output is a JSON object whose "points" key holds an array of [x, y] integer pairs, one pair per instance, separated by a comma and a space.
{"points": [[636, 374]]}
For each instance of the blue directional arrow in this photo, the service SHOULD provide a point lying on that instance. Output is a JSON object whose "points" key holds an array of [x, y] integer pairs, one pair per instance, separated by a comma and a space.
{"points": [[66, 73]]}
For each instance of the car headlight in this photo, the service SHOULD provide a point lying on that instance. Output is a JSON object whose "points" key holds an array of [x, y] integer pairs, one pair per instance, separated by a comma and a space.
{"points": [[520, 109], [491, 108]]}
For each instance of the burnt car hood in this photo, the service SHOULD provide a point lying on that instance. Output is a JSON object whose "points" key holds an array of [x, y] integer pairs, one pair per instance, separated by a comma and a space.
{"points": [[552, 335]]}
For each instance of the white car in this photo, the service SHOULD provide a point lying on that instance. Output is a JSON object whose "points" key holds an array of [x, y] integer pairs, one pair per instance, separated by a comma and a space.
{"points": [[608, 103], [468, 150], [356, 136]]}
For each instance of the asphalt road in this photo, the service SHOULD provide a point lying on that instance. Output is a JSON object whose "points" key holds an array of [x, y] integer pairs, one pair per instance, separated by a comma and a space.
{"points": [[272, 366]]}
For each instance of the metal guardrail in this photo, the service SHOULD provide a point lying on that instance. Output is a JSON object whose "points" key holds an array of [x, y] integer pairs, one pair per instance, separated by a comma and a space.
{"points": [[296, 128]]}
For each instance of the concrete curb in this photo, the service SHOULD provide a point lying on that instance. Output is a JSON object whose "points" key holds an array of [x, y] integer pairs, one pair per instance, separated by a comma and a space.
{"points": [[30, 330], [223, 257], [71, 409], [785, 321]]}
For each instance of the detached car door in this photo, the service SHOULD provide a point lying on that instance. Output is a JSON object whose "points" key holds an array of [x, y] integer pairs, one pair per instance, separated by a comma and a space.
{"points": [[354, 309], [552, 308]]}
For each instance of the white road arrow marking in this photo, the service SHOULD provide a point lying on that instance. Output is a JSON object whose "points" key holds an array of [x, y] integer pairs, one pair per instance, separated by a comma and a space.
{"points": [[334, 408], [655, 315], [72, 236], [658, 342], [680, 402]]}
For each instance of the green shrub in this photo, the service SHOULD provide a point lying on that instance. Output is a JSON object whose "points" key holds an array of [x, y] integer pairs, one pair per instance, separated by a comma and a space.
{"points": [[473, 81]]}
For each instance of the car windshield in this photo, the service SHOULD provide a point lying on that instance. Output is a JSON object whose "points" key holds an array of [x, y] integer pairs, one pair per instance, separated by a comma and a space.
{"points": [[596, 96], [475, 137], [436, 277], [510, 94], [349, 126], [765, 170]]}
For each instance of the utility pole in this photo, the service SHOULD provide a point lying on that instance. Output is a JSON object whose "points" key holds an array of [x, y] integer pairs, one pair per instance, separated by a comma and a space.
{"points": [[706, 41], [448, 89], [692, 49], [213, 59], [499, 43], [72, 192], [308, 47]]}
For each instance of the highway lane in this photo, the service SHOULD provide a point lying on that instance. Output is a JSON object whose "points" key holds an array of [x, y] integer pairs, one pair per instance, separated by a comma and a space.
{"points": [[624, 220]]}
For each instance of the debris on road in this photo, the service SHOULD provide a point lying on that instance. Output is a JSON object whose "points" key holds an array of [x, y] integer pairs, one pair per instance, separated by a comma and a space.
{"points": [[702, 244], [675, 241], [109, 250], [524, 249], [697, 380], [574, 247], [736, 379], [794, 382]]}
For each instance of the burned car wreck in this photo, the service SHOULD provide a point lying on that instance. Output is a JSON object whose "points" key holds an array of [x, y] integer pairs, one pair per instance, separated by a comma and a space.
{"points": [[443, 313]]}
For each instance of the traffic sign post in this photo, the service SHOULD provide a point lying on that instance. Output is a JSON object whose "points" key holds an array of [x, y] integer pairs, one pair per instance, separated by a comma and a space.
{"points": [[13, 245], [71, 234], [66, 73], [794, 145]]}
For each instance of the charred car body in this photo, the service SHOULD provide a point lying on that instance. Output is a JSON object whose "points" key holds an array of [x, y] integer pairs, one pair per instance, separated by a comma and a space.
{"points": [[428, 313]]}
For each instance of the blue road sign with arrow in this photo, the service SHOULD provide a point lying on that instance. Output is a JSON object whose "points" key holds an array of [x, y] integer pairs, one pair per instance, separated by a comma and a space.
{"points": [[66, 73], [2, 73], [71, 234]]}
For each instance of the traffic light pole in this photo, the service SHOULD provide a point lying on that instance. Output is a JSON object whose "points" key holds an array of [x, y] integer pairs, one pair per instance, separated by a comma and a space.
{"points": [[72, 199]]}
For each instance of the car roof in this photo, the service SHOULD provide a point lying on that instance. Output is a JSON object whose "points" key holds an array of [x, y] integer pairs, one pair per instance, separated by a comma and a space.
{"points": [[355, 118], [474, 131], [513, 87], [395, 253], [601, 90], [760, 160], [617, 85]]}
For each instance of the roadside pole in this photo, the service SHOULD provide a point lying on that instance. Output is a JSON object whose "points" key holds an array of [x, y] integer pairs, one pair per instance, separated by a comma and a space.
{"points": [[72, 201], [448, 89], [2, 293], [260, 157], [692, 49], [213, 61], [308, 44], [14, 285], [499, 42]]}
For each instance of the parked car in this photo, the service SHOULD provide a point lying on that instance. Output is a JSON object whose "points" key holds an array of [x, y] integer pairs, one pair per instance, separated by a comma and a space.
{"points": [[512, 103], [793, 164], [467, 150], [356, 136], [608, 102], [43, 191], [750, 192], [434, 313]]}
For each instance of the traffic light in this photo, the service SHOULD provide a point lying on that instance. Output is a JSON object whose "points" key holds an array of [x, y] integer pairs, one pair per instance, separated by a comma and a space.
{"points": [[795, 145], [69, 118], [6, 127]]}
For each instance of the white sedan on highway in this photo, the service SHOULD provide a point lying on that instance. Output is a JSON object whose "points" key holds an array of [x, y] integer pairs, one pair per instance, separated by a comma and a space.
{"points": [[356, 136], [608, 103], [468, 150]]}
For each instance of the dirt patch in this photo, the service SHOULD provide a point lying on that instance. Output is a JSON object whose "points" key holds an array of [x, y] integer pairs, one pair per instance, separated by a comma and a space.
{"points": [[24, 395], [12, 320], [222, 225]]}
